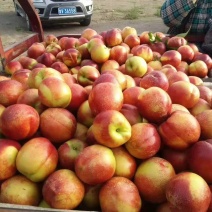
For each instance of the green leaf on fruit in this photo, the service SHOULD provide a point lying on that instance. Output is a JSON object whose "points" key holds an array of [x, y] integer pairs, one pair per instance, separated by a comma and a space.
{"points": [[152, 37], [157, 38], [184, 34]]}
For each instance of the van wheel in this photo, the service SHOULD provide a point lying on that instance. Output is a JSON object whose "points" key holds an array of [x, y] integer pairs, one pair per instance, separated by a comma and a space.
{"points": [[29, 27], [86, 22]]}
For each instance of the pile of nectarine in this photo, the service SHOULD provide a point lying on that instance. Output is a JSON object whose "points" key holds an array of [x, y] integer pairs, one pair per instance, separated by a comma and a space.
{"points": [[108, 121]]}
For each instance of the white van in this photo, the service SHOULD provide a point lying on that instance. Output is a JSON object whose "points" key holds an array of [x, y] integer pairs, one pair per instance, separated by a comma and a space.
{"points": [[60, 11]]}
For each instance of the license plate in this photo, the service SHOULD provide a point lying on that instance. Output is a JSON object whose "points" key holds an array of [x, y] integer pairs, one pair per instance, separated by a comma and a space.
{"points": [[67, 10]]}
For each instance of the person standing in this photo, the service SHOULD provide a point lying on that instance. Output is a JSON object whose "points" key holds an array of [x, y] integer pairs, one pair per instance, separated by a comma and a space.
{"points": [[194, 16]]}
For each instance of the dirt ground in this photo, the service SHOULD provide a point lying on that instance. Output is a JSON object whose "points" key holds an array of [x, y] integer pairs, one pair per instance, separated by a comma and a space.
{"points": [[106, 15]]}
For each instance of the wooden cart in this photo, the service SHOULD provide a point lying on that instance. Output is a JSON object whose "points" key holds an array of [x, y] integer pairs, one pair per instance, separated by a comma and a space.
{"points": [[14, 51], [10, 53]]}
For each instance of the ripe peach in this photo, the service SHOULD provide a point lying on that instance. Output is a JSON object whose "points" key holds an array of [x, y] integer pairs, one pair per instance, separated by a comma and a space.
{"points": [[53, 48], [177, 76], [57, 124], [180, 130], [74, 70], [155, 65], [130, 81], [37, 75], [13, 66], [88, 88], [145, 37], [159, 47], [188, 191], [195, 80], [19, 121], [10, 90], [111, 128], [183, 67], [131, 95], [111, 100], [20, 191], [134, 49], [175, 42], [30, 97], [38, 166], [86, 75], [46, 58], [145, 52], [100, 53], [156, 55], [187, 52], [152, 177], [62, 41], [137, 79], [120, 77], [176, 107], [205, 58], [132, 40], [127, 30], [8, 152], [114, 195], [28, 62], [156, 79], [69, 43], [69, 79], [178, 159], [135, 66], [60, 66], [205, 120], [198, 68], [22, 76], [59, 56], [113, 37], [155, 110], [63, 190], [144, 142], [131, 113], [54, 92], [88, 33], [95, 164], [194, 47], [119, 53], [94, 41], [71, 57], [125, 163], [90, 140], [81, 132], [199, 107], [84, 114], [83, 49], [107, 77], [110, 64], [159, 35], [168, 69], [184, 93], [79, 95], [126, 46], [172, 57], [50, 38], [200, 159], [205, 93]]}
